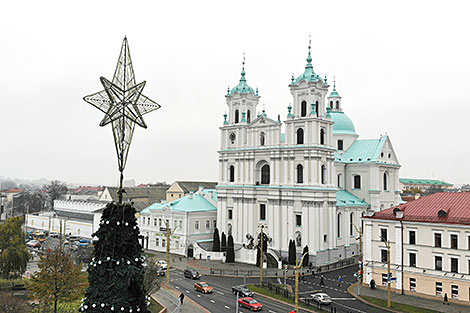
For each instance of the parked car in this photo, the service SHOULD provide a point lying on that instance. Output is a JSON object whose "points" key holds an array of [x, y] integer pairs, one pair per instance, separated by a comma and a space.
{"points": [[190, 273], [250, 303], [54, 234], [162, 264], [161, 272], [203, 287], [242, 291], [73, 238], [321, 298], [34, 244], [84, 242]]}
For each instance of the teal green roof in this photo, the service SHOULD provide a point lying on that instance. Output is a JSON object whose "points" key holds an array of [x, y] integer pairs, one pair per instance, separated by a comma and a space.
{"points": [[344, 198], [242, 86], [334, 93], [362, 151], [214, 193], [343, 124], [424, 181], [309, 74], [189, 203]]}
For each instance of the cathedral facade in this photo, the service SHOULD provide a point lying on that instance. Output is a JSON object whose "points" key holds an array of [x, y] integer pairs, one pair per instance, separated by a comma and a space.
{"points": [[307, 179]]}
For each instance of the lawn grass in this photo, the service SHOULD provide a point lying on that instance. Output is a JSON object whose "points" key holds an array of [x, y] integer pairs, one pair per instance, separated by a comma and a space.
{"points": [[266, 292], [154, 306], [8, 283], [398, 306]]}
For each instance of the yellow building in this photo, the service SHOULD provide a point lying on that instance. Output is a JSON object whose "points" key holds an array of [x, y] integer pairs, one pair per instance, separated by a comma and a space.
{"points": [[429, 241], [181, 188]]}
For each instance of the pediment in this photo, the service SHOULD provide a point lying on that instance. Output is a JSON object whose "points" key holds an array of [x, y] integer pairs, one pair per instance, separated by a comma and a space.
{"points": [[262, 121]]}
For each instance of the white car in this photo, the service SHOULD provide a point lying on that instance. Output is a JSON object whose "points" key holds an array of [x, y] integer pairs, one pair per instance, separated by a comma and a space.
{"points": [[33, 244], [162, 264], [321, 298]]}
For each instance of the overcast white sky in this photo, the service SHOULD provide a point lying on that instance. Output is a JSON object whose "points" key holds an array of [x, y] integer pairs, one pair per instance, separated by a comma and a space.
{"points": [[402, 68]]}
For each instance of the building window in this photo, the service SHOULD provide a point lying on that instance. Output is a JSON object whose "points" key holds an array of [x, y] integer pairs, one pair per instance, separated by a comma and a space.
{"points": [[236, 116], [303, 108], [323, 174], [232, 173], [163, 243], [385, 181], [454, 241], [248, 116], [383, 234], [265, 174], [438, 263], [157, 242], [437, 240], [155, 222], [331, 104], [384, 279], [322, 136], [438, 289], [455, 291], [454, 265], [339, 180], [412, 237], [208, 224], [215, 224], [357, 181], [338, 224], [412, 284], [160, 222], [262, 211], [300, 174], [181, 223], [196, 224], [325, 237], [413, 259], [351, 224], [298, 220], [230, 214], [261, 139], [337, 104], [383, 255], [468, 242], [177, 244], [300, 136], [340, 145]]}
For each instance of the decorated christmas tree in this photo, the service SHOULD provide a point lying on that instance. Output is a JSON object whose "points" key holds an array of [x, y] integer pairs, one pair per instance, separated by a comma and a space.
{"points": [[116, 271]]}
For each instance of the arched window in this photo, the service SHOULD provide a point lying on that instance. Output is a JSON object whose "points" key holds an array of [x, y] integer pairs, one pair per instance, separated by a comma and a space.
{"points": [[300, 136], [248, 116], [265, 174], [351, 224], [236, 116], [339, 225], [385, 181], [232, 173], [322, 136], [317, 108], [323, 174], [300, 174], [337, 104], [303, 108], [261, 139], [340, 145], [339, 180], [357, 181], [331, 104]]}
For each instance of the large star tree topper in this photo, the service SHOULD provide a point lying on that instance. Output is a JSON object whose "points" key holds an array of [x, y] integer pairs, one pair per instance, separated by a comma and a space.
{"points": [[124, 105]]}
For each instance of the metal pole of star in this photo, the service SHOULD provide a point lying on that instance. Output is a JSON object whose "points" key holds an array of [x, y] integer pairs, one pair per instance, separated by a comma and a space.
{"points": [[124, 105]]}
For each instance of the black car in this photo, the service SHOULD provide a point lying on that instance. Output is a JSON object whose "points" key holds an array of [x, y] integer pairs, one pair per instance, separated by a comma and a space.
{"points": [[192, 274], [242, 291]]}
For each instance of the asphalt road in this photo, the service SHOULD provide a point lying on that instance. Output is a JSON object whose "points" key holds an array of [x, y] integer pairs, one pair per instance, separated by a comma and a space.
{"points": [[222, 299]]}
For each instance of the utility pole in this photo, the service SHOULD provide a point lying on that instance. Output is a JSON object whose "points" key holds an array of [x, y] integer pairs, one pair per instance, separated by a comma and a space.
{"points": [[261, 257], [360, 275], [389, 277], [297, 267], [167, 223]]}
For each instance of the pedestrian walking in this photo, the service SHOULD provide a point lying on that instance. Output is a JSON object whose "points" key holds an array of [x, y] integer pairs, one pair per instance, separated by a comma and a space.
{"points": [[446, 300], [322, 282], [181, 298], [339, 281]]}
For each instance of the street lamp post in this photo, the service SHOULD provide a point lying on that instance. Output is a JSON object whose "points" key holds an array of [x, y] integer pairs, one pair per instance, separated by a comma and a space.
{"points": [[168, 238], [360, 275], [389, 290], [297, 267], [261, 256]]}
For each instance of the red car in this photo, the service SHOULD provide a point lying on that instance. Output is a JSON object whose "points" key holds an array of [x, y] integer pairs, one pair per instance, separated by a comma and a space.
{"points": [[203, 287], [250, 303]]}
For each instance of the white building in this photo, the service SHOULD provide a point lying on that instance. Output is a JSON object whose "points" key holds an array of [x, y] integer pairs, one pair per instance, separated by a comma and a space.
{"points": [[308, 179], [191, 218], [430, 246]]}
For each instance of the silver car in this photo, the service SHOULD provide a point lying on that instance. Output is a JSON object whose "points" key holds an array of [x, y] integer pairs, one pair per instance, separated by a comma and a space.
{"points": [[321, 298]]}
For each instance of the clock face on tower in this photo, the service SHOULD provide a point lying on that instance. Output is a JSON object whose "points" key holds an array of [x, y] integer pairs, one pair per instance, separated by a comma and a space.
{"points": [[232, 137]]}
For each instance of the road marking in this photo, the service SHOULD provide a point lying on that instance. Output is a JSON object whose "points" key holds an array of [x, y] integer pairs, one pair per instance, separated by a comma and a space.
{"points": [[198, 296], [220, 293], [271, 311], [349, 308], [212, 301], [227, 307], [352, 299], [177, 287], [187, 291]]}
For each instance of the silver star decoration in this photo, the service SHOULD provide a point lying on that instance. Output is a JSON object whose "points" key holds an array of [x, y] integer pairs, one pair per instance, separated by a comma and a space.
{"points": [[123, 103]]}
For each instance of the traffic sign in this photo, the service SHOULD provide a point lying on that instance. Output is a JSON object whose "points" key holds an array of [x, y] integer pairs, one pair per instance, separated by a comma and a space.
{"points": [[163, 229]]}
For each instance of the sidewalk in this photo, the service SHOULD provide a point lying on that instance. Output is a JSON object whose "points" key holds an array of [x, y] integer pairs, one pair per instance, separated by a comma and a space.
{"points": [[416, 301], [169, 299]]}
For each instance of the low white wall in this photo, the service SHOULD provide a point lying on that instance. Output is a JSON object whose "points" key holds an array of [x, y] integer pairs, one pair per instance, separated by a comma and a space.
{"points": [[75, 228], [203, 254]]}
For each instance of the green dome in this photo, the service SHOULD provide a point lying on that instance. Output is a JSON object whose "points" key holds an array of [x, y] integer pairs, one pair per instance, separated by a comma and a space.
{"points": [[242, 86], [309, 74], [343, 124]]}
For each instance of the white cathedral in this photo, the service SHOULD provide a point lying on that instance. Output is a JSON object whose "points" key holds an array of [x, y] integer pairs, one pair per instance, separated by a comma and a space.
{"points": [[307, 179]]}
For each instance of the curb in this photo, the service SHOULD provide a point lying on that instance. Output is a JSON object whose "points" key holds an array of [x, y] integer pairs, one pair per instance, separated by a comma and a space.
{"points": [[285, 303], [165, 309], [352, 293]]}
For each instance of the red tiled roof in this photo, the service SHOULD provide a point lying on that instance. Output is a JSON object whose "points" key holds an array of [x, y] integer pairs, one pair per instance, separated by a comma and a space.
{"points": [[456, 205], [14, 190]]}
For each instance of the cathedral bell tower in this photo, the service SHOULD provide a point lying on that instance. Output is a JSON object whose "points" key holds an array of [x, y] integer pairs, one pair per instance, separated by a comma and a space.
{"points": [[334, 100]]}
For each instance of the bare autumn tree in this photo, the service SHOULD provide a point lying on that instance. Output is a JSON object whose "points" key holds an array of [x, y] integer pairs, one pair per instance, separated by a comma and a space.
{"points": [[151, 278], [55, 190], [59, 279]]}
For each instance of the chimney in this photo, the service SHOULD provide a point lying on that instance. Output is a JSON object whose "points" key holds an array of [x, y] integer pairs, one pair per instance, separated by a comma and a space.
{"points": [[191, 195]]}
